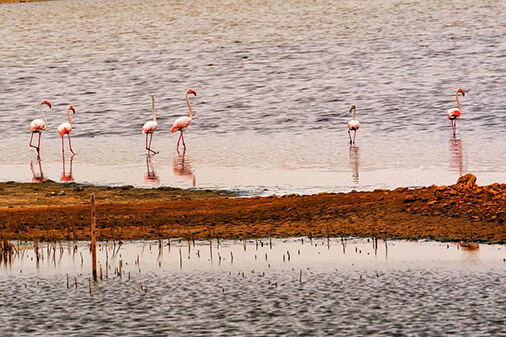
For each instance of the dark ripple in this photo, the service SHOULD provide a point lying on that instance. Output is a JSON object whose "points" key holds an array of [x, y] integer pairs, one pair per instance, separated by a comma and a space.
{"points": [[406, 301], [308, 60]]}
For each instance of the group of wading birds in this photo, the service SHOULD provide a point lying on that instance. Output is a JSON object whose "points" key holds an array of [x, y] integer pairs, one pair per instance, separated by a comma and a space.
{"points": [[182, 123]]}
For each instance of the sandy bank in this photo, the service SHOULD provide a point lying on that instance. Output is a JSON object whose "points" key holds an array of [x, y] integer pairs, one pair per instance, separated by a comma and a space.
{"points": [[13, 1], [49, 211]]}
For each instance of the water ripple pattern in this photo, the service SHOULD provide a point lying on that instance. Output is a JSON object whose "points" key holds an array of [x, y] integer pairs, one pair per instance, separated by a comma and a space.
{"points": [[261, 69]]}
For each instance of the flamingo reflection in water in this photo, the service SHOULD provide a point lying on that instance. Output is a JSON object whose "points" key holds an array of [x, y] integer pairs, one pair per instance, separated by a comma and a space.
{"points": [[457, 161], [151, 178], [182, 169], [67, 177], [354, 161], [38, 177]]}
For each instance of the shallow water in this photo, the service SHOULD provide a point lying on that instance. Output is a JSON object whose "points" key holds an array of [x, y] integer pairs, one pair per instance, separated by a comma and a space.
{"points": [[347, 287], [275, 82]]}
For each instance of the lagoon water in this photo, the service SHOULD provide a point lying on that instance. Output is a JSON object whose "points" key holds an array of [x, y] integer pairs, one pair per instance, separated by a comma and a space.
{"points": [[317, 287], [275, 83]]}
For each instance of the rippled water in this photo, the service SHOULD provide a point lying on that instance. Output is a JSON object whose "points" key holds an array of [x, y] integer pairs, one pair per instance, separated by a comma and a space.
{"points": [[275, 82], [266, 287]]}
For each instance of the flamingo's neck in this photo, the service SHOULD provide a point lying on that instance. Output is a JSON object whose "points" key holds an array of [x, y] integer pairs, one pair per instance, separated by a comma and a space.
{"points": [[43, 116], [68, 114], [354, 113], [189, 106], [153, 105], [458, 103]]}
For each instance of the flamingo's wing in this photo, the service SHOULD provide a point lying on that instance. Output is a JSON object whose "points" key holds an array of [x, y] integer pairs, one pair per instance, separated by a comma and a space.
{"points": [[37, 125], [149, 126], [64, 128], [181, 124], [453, 113]]}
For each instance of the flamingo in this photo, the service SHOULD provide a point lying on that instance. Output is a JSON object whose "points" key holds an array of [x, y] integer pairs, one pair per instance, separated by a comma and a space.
{"points": [[353, 124], [66, 129], [149, 127], [454, 114], [182, 123], [39, 125]]}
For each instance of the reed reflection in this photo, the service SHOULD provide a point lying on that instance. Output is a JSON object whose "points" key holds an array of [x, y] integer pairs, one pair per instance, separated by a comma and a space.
{"points": [[457, 161], [355, 161], [151, 178], [37, 176], [183, 169], [67, 177]]}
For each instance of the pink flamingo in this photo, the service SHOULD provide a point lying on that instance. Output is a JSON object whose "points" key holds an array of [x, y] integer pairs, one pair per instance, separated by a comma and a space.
{"points": [[39, 125], [182, 123], [353, 124], [454, 114], [149, 127], [66, 129]]}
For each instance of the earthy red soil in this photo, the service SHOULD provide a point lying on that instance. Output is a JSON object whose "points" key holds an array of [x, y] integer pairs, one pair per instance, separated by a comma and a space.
{"points": [[50, 211]]}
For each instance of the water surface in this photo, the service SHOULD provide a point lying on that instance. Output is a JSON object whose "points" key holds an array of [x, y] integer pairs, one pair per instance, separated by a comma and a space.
{"points": [[275, 82], [266, 287]]}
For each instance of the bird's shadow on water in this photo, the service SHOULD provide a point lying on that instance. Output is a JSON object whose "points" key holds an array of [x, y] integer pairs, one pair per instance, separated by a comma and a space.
{"points": [[151, 178], [182, 167], [457, 158], [37, 172], [355, 162], [67, 176]]}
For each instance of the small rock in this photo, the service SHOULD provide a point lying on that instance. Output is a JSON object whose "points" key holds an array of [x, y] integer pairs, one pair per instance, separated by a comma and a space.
{"points": [[410, 198], [51, 194], [467, 181], [62, 193]]}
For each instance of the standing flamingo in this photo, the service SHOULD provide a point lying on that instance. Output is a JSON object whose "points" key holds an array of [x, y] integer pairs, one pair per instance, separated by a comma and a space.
{"points": [[454, 114], [149, 127], [182, 123], [39, 125], [66, 129], [353, 124]]}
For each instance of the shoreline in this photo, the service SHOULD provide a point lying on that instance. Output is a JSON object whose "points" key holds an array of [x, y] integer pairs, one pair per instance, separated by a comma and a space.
{"points": [[52, 211]]}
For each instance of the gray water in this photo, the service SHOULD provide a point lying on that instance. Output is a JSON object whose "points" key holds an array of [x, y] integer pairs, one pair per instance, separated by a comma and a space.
{"points": [[275, 82], [266, 287]]}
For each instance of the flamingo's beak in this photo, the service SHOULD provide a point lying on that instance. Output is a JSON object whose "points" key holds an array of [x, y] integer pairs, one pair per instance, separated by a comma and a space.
{"points": [[47, 103], [72, 108], [193, 92]]}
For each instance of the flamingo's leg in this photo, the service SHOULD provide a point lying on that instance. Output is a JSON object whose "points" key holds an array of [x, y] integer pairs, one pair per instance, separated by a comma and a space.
{"points": [[70, 145], [182, 137], [354, 135], [150, 139], [62, 148], [38, 146], [179, 139], [31, 138], [349, 134], [455, 129]]}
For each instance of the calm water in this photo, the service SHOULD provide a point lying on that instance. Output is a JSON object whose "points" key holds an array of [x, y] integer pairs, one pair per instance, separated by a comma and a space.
{"points": [[347, 288], [275, 82]]}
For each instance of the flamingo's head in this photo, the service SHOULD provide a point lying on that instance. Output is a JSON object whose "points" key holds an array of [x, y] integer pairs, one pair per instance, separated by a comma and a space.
{"points": [[191, 91], [72, 108], [461, 91], [353, 108], [46, 103]]}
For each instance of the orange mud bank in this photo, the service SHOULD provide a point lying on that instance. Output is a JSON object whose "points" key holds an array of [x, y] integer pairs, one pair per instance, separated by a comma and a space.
{"points": [[51, 211]]}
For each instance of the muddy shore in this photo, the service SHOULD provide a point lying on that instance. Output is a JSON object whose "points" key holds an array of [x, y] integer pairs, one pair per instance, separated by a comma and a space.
{"points": [[52, 211]]}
